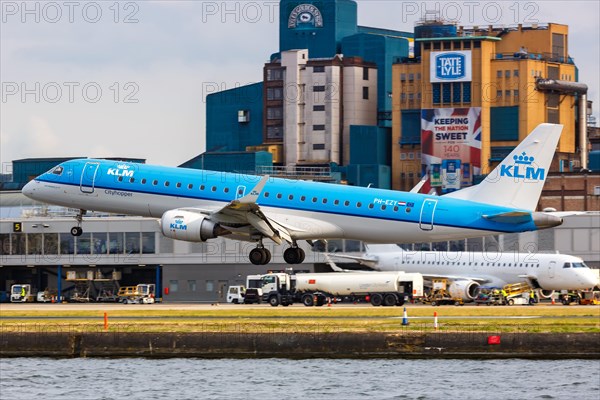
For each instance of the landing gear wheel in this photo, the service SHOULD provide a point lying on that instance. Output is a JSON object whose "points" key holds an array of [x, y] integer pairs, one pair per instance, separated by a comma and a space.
{"points": [[76, 231], [267, 254], [293, 255], [256, 256]]}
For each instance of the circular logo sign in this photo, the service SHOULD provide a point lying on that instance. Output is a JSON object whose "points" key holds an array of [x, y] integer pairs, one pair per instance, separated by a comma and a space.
{"points": [[305, 16]]}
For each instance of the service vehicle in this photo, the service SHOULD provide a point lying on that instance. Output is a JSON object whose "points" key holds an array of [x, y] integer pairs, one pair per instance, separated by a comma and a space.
{"points": [[317, 289], [589, 297], [236, 294], [441, 294], [144, 293], [22, 293], [253, 295]]}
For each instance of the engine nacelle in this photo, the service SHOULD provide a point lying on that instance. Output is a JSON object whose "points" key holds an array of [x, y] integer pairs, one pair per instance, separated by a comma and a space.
{"points": [[189, 226], [464, 289], [545, 294]]}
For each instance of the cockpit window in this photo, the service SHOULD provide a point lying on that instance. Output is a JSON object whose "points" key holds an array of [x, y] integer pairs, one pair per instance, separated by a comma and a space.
{"points": [[567, 265], [579, 265], [58, 170]]}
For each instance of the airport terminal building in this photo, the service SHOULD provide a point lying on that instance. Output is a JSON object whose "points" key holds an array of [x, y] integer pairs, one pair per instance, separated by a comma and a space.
{"points": [[37, 248]]}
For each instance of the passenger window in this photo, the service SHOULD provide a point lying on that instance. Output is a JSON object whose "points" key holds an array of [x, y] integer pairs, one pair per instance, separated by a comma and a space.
{"points": [[201, 187], [143, 181], [314, 199], [371, 205], [178, 184], [213, 189], [395, 208], [120, 179], [131, 180], [291, 197], [336, 202], [278, 195], [167, 183], [346, 203], [324, 201], [266, 194], [383, 207], [155, 182], [190, 186], [359, 204], [226, 190], [302, 198]]}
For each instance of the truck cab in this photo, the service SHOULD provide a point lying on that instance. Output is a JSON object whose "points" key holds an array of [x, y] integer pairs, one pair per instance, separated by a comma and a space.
{"points": [[277, 289]]}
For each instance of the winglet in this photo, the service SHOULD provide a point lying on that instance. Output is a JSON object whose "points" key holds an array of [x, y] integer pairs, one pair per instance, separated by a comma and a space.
{"points": [[255, 192]]}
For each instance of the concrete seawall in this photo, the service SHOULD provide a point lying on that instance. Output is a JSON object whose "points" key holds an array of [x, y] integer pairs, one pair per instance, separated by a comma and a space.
{"points": [[299, 345]]}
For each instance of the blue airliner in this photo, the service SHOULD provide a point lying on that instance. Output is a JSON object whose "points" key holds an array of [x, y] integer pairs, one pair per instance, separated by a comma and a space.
{"points": [[197, 205]]}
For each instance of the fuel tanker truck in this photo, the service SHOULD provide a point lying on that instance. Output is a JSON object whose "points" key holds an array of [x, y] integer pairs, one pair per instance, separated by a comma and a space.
{"points": [[378, 288]]}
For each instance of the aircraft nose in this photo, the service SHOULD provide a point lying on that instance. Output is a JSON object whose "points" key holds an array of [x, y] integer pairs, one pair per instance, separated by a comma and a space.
{"points": [[591, 280], [29, 189]]}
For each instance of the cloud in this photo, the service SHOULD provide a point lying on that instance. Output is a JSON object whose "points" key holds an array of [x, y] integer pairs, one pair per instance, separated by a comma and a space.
{"points": [[167, 58]]}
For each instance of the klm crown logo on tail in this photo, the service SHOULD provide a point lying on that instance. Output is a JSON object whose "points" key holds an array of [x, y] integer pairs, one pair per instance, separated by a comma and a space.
{"points": [[523, 168]]}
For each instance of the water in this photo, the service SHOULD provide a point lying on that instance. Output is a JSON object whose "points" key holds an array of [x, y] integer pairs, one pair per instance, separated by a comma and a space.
{"points": [[265, 379]]}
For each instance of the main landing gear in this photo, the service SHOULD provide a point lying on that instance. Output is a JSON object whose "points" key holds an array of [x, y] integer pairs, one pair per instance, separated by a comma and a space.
{"points": [[293, 255], [77, 230], [260, 255]]}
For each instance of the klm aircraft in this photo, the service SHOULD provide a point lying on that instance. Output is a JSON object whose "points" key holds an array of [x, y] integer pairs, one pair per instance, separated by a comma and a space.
{"points": [[198, 205], [467, 271]]}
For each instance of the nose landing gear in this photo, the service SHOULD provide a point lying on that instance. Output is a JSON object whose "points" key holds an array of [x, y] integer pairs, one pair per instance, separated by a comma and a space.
{"points": [[77, 230]]}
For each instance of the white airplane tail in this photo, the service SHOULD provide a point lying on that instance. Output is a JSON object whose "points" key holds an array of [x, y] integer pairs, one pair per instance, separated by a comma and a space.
{"points": [[518, 181]]}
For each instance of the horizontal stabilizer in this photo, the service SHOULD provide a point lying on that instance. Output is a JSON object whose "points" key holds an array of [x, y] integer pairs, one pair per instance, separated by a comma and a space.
{"points": [[514, 217]]}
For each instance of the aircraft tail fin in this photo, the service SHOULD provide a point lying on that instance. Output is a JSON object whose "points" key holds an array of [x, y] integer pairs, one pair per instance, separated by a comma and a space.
{"points": [[518, 181]]}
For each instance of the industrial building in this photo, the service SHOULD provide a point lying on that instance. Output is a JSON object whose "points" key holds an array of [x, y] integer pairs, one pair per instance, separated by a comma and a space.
{"points": [[363, 101], [471, 95]]}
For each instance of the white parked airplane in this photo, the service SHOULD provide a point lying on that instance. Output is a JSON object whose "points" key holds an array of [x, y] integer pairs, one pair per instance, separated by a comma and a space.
{"points": [[197, 205], [468, 271]]}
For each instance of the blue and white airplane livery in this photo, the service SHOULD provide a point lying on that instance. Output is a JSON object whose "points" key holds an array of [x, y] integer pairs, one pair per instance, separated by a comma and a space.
{"points": [[197, 205]]}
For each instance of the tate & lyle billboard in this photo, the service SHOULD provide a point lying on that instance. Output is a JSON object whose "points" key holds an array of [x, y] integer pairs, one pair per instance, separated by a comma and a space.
{"points": [[450, 66], [451, 146]]}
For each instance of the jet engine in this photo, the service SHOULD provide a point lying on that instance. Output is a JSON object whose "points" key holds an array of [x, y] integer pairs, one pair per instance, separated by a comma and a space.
{"points": [[545, 294], [464, 289], [189, 226]]}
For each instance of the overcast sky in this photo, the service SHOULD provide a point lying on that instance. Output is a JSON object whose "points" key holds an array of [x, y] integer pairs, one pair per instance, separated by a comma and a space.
{"points": [[106, 78]]}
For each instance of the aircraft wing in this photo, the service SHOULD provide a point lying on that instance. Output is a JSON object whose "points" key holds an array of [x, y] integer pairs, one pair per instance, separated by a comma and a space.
{"points": [[455, 278], [245, 217], [366, 260]]}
